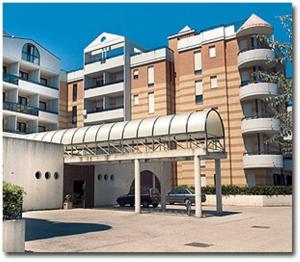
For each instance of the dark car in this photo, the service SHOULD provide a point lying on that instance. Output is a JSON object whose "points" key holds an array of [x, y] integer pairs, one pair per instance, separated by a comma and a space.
{"points": [[182, 195], [148, 197]]}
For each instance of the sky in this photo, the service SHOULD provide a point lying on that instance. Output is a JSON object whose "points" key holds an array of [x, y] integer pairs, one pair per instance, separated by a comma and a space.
{"points": [[66, 29]]}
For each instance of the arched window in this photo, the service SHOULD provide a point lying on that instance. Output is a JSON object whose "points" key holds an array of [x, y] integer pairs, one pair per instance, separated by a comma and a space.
{"points": [[31, 54]]}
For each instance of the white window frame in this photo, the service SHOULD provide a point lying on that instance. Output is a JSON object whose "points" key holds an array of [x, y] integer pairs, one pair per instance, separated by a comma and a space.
{"points": [[198, 91], [151, 103], [212, 51], [214, 81], [150, 75], [197, 62], [135, 74], [136, 100]]}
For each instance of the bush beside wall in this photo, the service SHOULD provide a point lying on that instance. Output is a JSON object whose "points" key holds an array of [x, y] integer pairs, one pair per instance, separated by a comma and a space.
{"points": [[12, 201], [245, 190]]}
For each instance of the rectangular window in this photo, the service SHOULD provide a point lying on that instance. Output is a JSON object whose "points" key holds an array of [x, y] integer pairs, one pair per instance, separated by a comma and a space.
{"points": [[198, 92], [74, 92], [4, 69], [74, 114], [22, 100], [213, 82], [42, 106], [212, 51], [44, 81], [42, 129], [150, 76], [21, 127], [135, 74], [23, 75], [150, 103], [136, 100], [197, 63]]}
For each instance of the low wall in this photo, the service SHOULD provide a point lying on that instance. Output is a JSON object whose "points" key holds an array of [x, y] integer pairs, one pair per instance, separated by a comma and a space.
{"points": [[252, 200], [14, 236]]}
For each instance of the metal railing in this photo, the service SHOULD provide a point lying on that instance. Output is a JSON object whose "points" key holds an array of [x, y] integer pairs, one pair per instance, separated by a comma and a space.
{"points": [[101, 109], [104, 84], [254, 48], [47, 110], [10, 78], [39, 83], [20, 108], [255, 116]]}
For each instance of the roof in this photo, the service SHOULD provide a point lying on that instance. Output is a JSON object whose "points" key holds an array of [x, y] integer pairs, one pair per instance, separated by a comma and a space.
{"points": [[204, 124]]}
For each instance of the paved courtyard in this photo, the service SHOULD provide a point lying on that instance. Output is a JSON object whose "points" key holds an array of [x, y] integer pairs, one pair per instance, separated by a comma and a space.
{"points": [[240, 229]]}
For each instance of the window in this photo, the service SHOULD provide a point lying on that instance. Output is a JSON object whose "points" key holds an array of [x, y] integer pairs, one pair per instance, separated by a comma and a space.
{"points": [[135, 74], [74, 114], [105, 177], [42, 129], [112, 177], [99, 177], [23, 75], [47, 175], [42, 106], [74, 92], [21, 127], [151, 103], [212, 51], [136, 99], [56, 175], [38, 175], [4, 69], [31, 54], [198, 92], [197, 63], [22, 100], [44, 81], [150, 76], [213, 82]]}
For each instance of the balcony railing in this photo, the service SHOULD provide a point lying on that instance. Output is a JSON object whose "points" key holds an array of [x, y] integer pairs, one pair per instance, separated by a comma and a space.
{"points": [[104, 84], [252, 81], [39, 83], [30, 58], [101, 59], [255, 116], [47, 110], [10, 78], [254, 48], [20, 108], [101, 109]]}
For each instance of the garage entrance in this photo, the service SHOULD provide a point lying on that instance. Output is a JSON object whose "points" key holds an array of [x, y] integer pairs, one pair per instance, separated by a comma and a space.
{"points": [[148, 181]]}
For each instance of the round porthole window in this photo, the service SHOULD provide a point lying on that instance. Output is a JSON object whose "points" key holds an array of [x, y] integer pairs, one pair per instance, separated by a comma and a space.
{"points": [[38, 175], [112, 177], [105, 177], [103, 38], [56, 175], [99, 177], [47, 175]]}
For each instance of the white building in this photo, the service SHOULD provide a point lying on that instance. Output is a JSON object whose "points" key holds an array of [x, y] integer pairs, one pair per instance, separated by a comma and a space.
{"points": [[107, 79], [31, 81]]}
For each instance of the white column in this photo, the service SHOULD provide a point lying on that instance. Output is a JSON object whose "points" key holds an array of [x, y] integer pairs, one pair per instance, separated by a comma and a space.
{"points": [[197, 174], [137, 186], [218, 185], [162, 186]]}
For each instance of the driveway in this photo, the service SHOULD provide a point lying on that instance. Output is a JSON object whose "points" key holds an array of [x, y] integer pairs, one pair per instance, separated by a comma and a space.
{"points": [[240, 229]]}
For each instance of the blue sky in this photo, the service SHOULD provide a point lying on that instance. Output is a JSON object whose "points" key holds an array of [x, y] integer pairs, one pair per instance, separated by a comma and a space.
{"points": [[66, 29]]}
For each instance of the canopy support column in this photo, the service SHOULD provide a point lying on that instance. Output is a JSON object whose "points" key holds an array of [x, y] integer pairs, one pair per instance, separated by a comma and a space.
{"points": [[137, 186], [162, 186], [197, 174], [218, 186]]}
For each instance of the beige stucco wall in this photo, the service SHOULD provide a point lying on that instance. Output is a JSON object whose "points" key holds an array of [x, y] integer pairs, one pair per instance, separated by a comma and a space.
{"points": [[22, 159]]}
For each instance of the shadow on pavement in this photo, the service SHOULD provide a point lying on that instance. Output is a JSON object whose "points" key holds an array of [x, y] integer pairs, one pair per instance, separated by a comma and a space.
{"points": [[43, 229]]}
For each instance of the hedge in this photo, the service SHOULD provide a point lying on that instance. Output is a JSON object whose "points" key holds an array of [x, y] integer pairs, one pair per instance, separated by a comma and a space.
{"points": [[245, 190], [12, 201]]}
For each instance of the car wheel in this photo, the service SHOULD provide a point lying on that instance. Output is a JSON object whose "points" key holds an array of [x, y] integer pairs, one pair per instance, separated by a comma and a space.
{"points": [[186, 201], [145, 204], [122, 205], [155, 205]]}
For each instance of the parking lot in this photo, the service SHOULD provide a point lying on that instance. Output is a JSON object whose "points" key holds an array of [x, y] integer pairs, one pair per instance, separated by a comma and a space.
{"points": [[240, 229]]}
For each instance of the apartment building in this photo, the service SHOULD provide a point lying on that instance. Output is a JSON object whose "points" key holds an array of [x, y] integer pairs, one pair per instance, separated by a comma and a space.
{"points": [[31, 82], [215, 68]]}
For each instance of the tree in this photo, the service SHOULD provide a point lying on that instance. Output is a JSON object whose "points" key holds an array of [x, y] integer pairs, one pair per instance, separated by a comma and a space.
{"points": [[278, 104]]}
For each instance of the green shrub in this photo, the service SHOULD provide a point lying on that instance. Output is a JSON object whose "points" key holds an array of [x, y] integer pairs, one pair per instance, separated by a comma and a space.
{"points": [[245, 190], [12, 201]]}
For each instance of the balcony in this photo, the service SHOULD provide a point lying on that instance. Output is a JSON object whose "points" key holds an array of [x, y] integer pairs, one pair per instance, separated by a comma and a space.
{"points": [[256, 57], [257, 90], [48, 116], [33, 87], [108, 88], [288, 165], [100, 115], [262, 161], [10, 106], [10, 78], [255, 124]]}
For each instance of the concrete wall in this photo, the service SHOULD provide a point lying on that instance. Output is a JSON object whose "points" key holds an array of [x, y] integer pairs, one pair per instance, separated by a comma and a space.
{"points": [[14, 236], [107, 191], [22, 159]]}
